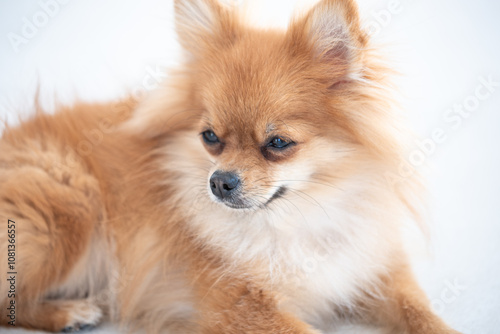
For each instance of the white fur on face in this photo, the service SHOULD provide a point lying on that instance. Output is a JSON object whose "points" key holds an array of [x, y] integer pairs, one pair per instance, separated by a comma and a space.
{"points": [[320, 244]]}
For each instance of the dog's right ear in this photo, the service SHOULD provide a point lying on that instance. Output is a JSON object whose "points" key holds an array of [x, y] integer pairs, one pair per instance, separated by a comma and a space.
{"points": [[204, 25], [331, 36]]}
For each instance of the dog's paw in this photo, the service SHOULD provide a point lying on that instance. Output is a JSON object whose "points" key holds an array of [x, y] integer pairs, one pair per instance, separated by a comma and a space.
{"points": [[78, 328], [83, 315]]}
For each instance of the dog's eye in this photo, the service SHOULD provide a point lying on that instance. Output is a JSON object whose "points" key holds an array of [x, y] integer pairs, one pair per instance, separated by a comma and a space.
{"points": [[209, 137], [278, 142], [278, 148]]}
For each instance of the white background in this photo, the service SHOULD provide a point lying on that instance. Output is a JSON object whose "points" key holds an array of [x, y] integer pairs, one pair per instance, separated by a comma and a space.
{"points": [[97, 50]]}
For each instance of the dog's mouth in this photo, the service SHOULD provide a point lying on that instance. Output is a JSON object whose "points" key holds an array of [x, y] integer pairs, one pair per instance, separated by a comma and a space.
{"points": [[277, 194], [241, 203], [238, 205]]}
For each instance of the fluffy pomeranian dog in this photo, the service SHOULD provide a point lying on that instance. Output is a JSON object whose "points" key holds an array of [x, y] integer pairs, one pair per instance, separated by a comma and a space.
{"points": [[250, 194]]}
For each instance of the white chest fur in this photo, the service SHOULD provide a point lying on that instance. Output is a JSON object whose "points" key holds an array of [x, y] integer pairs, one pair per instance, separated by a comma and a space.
{"points": [[319, 246], [317, 255]]}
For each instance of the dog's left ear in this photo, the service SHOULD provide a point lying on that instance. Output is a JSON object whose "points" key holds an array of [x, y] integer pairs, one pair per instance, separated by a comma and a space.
{"points": [[330, 34]]}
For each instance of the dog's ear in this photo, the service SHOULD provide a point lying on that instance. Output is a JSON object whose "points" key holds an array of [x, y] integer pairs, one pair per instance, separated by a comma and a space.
{"points": [[204, 25], [330, 33]]}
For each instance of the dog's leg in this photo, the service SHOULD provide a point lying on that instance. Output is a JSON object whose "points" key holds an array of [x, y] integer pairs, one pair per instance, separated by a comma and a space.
{"points": [[61, 315], [247, 309], [53, 215], [405, 307]]}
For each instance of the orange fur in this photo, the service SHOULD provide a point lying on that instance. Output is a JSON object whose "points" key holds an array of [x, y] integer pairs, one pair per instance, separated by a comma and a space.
{"points": [[115, 214]]}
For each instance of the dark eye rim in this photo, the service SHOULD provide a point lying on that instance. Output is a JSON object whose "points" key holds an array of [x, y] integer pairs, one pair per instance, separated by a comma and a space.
{"points": [[207, 140], [287, 143]]}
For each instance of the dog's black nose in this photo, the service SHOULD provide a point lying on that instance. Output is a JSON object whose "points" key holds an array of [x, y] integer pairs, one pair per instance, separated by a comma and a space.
{"points": [[223, 184]]}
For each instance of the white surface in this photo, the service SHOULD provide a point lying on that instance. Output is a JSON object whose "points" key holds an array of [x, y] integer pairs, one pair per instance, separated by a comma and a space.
{"points": [[96, 50]]}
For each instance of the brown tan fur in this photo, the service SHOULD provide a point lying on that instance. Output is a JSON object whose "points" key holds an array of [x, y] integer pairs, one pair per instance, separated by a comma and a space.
{"points": [[112, 205]]}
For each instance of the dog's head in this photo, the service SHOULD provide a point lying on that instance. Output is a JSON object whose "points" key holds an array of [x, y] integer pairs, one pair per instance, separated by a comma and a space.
{"points": [[278, 111]]}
